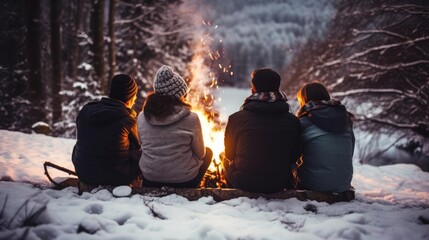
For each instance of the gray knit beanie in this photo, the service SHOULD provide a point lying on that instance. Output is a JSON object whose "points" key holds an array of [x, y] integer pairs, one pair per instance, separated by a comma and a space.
{"points": [[169, 83]]}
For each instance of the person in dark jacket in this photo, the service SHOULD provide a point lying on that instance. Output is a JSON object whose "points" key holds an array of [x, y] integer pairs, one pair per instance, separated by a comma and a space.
{"points": [[328, 141], [262, 139], [107, 150]]}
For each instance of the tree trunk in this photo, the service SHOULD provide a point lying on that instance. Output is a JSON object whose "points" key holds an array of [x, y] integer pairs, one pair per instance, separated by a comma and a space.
{"points": [[56, 60], [33, 35], [73, 49], [112, 48], [36, 90], [97, 27]]}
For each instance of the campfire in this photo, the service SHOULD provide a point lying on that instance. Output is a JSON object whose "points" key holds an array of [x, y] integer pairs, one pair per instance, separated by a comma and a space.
{"points": [[202, 85]]}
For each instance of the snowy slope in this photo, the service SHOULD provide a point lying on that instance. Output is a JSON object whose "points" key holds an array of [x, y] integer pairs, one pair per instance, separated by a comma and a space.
{"points": [[392, 203]]}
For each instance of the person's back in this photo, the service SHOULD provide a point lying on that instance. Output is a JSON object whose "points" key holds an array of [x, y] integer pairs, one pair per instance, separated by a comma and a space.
{"points": [[173, 152], [172, 148], [328, 142], [262, 140], [107, 147]]}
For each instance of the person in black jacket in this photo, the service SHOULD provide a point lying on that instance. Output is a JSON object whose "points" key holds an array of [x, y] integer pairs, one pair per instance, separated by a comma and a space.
{"points": [[262, 140], [107, 150]]}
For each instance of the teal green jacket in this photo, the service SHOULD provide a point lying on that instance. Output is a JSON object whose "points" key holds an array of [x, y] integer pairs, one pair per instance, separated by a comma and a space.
{"points": [[326, 154]]}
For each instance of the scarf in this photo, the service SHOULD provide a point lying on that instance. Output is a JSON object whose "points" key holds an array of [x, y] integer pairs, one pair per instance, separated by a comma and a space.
{"points": [[312, 105], [267, 97]]}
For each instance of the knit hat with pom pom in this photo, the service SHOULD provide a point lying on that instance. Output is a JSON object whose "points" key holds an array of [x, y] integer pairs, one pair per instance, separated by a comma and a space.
{"points": [[169, 83]]}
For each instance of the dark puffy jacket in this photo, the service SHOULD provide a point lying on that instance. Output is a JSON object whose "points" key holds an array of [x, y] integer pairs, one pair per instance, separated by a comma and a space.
{"points": [[107, 150], [328, 145], [262, 141]]}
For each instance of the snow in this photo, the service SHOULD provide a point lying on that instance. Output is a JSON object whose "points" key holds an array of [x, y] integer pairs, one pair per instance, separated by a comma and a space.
{"points": [[121, 191], [392, 202], [85, 66], [40, 124], [234, 97], [80, 85]]}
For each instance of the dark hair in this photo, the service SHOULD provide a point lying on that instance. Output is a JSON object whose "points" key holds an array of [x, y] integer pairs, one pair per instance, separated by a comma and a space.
{"points": [[265, 80], [161, 106], [314, 91]]}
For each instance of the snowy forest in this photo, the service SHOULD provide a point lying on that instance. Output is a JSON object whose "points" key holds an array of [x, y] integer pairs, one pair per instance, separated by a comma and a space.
{"points": [[373, 55], [58, 55]]}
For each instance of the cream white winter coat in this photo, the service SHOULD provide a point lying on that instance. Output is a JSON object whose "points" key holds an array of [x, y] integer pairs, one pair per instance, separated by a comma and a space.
{"points": [[172, 148]]}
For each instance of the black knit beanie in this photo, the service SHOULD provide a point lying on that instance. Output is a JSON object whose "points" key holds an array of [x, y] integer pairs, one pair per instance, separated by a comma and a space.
{"points": [[266, 80], [123, 88]]}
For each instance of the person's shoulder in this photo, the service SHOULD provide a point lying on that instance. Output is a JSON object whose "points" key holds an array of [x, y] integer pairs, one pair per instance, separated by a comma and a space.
{"points": [[88, 108], [291, 117], [91, 104], [140, 116], [305, 122], [237, 115], [193, 115]]}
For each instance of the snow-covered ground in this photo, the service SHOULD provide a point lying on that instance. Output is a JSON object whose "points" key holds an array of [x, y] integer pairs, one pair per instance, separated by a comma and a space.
{"points": [[392, 202]]}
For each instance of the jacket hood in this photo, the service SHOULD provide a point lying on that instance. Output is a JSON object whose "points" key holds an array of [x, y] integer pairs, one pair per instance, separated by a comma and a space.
{"points": [[107, 110], [269, 107], [178, 113], [330, 118]]}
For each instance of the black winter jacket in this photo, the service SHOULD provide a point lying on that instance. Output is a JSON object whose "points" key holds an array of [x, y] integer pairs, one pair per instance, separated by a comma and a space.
{"points": [[107, 150], [262, 141]]}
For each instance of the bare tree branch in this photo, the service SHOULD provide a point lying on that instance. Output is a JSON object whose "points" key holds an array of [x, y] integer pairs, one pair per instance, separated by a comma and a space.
{"points": [[367, 90], [166, 33], [421, 127], [388, 67], [398, 23], [377, 48], [393, 34], [127, 21]]}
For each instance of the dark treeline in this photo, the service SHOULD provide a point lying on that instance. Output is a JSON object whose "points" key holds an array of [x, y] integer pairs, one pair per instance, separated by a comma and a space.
{"points": [[57, 55]]}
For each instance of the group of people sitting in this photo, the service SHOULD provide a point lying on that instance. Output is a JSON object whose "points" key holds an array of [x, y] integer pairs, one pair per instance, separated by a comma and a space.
{"points": [[267, 148]]}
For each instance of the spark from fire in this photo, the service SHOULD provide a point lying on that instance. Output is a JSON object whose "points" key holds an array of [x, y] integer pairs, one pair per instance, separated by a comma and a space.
{"points": [[204, 83]]}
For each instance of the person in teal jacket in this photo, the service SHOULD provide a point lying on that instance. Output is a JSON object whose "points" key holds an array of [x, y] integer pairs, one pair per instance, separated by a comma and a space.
{"points": [[327, 141]]}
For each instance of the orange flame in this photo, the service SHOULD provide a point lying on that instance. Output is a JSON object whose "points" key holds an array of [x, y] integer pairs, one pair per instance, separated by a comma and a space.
{"points": [[201, 97]]}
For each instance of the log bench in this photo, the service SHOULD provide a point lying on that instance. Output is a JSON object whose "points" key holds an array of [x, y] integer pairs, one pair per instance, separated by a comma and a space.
{"points": [[220, 194]]}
